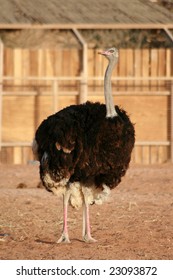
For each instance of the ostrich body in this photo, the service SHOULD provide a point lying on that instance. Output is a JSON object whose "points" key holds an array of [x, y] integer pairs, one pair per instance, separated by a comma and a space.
{"points": [[84, 150]]}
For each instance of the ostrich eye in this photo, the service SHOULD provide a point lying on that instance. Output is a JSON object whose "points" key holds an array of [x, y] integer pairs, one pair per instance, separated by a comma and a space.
{"points": [[111, 51]]}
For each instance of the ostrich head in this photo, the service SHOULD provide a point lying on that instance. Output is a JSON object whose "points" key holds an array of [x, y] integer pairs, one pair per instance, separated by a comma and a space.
{"points": [[110, 54]]}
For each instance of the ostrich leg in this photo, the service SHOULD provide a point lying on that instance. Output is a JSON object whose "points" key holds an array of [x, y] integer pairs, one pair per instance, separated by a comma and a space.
{"points": [[86, 224], [64, 237]]}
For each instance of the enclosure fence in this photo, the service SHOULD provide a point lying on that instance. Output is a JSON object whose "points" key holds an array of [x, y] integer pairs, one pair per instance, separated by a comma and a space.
{"points": [[52, 93]]}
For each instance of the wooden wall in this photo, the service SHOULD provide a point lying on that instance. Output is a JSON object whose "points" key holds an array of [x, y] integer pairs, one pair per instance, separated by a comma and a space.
{"points": [[27, 103]]}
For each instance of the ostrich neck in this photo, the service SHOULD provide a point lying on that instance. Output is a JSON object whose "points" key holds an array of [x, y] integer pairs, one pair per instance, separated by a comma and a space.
{"points": [[110, 109]]}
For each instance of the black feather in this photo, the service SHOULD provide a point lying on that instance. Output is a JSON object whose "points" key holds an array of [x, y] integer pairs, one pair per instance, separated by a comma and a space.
{"points": [[91, 147]]}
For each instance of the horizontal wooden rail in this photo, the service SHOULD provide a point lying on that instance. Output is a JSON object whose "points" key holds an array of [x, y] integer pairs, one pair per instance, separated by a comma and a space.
{"points": [[132, 78], [33, 78], [138, 143], [89, 78], [90, 93], [16, 144], [152, 143], [36, 93], [128, 25], [133, 93]]}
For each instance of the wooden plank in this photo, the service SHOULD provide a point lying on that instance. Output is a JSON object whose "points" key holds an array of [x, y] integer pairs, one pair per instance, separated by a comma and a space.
{"points": [[64, 102], [94, 68], [65, 67], [133, 93], [130, 67], [6, 155], [58, 63], [164, 154], [154, 68], [171, 122], [145, 155], [171, 63], [44, 109], [99, 67], [138, 154], [44, 65], [133, 156], [17, 153], [154, 154], [27, 155], [91, 69], [122, 68], [25, 63], [71, 68], [55, 97], [137, 68], [100, 78], [17, 66], [8, 64], [85, 26], [168, 62], [145, 68], [161, 67], [14, 128], [58, 69], [137, 143], [41, 65], [49, 62], [152, 143], [45, 93], [66, 62], [1, 86], [17, 144], [32, 65], [75, 66], [92, 93], [83, 91]]}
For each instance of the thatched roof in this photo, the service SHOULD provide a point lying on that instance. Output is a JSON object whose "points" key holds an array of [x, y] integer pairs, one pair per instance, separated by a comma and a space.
{"points": [[83, 12]]}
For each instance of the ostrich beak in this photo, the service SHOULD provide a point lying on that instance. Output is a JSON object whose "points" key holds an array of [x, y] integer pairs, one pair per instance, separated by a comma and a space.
{"points": [[103, 52]]}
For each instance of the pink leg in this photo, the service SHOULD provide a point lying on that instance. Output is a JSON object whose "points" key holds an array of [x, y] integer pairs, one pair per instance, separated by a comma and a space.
{"points": [[64, 237], [86, 224]]}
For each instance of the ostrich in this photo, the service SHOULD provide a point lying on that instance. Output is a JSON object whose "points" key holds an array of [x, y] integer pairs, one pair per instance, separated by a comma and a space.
{"points": [[84, 150]]}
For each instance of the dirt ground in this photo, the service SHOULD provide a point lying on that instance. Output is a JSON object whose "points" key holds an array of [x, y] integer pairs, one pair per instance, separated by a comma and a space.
{"points": [[135, 223]]}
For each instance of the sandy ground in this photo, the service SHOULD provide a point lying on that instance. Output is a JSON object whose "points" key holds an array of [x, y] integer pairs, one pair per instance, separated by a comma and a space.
{"points": [[135, 223]]}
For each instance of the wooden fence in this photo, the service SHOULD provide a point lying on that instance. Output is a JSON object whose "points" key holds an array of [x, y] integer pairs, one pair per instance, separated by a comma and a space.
{"points": [[36, 83]]}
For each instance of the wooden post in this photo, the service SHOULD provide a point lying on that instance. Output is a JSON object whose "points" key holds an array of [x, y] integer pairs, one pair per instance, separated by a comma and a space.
{"points": [[54, 96], [84, 83], [171, 123], [83, 95], [168, 33], [1, 88]]}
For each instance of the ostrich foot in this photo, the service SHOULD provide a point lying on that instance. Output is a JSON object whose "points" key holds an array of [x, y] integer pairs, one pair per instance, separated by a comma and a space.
{"points": [[88, 238], [64, 239]]}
